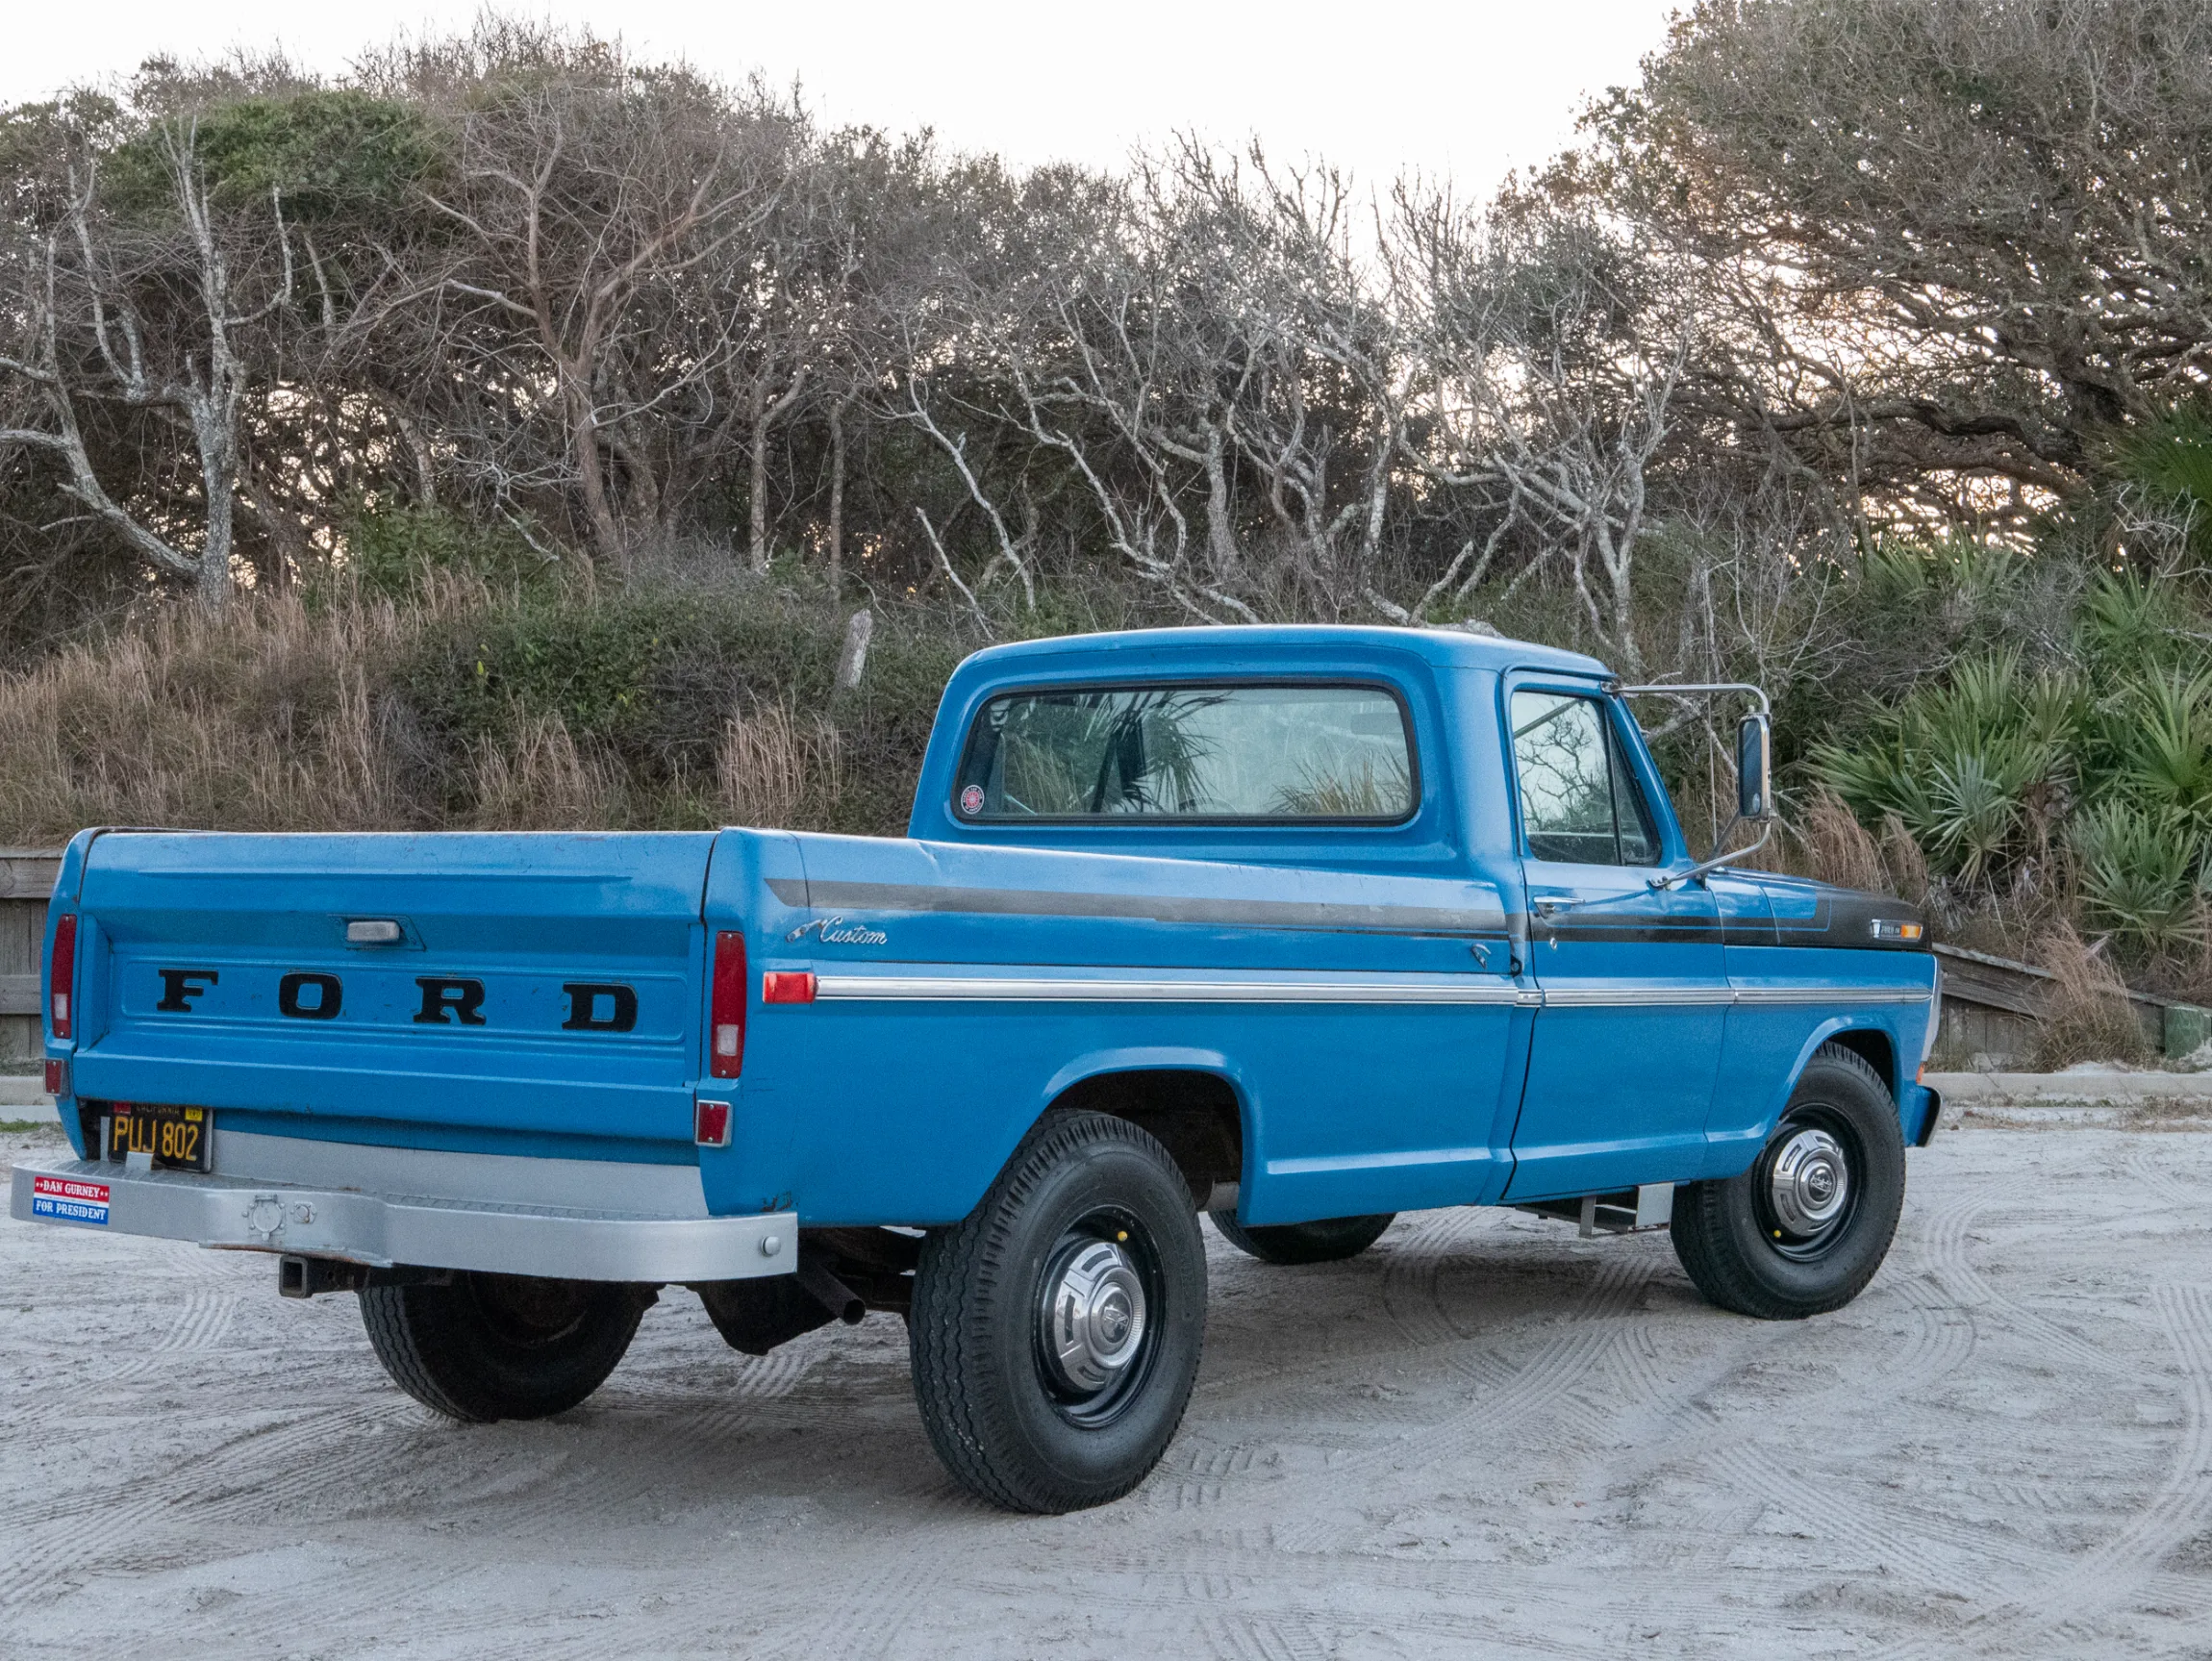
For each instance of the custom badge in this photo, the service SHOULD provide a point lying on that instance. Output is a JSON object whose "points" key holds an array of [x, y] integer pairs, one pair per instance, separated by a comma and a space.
{"points": [[971, 799], [837, 931]]}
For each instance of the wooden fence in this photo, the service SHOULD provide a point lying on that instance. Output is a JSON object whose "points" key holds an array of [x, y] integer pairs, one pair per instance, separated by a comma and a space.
{"points": [[26, 882], [1992, 1006]]}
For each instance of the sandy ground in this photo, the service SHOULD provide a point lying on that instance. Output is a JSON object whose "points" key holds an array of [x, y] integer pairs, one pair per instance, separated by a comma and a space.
{"points": [[1485, 1437]]}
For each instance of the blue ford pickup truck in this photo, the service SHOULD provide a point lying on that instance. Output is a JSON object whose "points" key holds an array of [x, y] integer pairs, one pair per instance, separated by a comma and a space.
{"points": [[1297, 928]]}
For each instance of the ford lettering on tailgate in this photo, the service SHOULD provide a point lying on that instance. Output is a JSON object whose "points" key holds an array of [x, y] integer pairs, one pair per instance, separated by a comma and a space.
{"points": [[438, 1000]]}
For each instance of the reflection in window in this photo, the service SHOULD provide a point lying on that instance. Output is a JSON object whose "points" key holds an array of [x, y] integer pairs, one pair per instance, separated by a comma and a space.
{"points": [[1296, 752], [1579, 801]]}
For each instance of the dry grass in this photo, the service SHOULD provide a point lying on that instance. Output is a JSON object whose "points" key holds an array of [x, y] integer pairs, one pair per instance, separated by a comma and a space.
{"points": [[290, 715], [1836, 847], [1902, 859], [259, 719], [777, 770], [1829, 843], [2086, 1014], [540, 781]]}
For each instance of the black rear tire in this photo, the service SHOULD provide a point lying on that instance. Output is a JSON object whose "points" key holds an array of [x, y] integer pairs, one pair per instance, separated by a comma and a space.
{"points": [[1035, 1403], [486, 1346], [1757, 1244], [1329, 1241]]}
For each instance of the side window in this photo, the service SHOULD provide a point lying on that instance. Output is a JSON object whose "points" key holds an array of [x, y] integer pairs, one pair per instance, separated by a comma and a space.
{"points": [[1190, 752], [1579, 801]]}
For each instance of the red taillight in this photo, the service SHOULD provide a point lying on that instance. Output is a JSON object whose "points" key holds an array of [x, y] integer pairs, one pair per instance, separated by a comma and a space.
{"points": [[61, 973], [788, 986], [726, 1008]]}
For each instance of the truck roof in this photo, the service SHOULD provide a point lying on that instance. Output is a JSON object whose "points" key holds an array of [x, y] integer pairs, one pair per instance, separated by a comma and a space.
{"points": [[1445, 647]]}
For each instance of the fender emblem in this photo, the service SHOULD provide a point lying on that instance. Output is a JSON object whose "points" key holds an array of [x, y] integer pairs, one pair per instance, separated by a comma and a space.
{"points": [[836, 931]]}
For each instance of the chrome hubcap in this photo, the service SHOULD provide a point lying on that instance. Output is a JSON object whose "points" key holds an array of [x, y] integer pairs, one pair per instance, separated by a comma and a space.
{"points": [[1094, 1315], [1809, 1182]]}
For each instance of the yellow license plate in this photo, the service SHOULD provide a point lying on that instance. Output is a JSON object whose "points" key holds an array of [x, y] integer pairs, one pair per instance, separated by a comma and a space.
{"points": [[179, 1137]]}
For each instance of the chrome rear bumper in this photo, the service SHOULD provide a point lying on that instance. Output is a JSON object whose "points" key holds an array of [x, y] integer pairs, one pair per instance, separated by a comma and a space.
{"points": [[383, 1229]]}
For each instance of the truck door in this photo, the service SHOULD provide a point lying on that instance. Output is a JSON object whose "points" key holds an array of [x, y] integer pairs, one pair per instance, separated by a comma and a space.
{"points": [[1628, 1042]]}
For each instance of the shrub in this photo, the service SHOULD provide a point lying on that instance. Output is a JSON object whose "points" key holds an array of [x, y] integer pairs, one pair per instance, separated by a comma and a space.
{"points": [[395, 550], [1961, 764], [2003, 777], [2161, 744], [464, 705], [653, 678], [2138, 872], [2086, 1014]]}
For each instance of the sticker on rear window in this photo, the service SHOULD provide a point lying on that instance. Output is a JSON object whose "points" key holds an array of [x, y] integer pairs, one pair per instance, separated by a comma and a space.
{"points": [[66, 1199]]}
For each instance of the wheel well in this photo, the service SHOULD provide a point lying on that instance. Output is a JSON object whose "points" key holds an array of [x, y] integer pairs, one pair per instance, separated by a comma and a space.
{"points": [[1192, 1114], [1872, 1047]]}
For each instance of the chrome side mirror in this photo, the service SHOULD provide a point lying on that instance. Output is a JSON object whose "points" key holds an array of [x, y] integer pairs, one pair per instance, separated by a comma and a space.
{"points": [[1755, 773], [1755, 764]]}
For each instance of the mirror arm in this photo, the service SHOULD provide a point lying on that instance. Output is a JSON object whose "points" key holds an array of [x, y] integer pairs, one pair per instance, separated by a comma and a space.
{"points": [[1660, 884], [1681, 687]]}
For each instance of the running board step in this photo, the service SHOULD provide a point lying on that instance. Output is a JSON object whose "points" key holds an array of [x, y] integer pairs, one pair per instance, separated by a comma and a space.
{"points": [[1650, 1206]]}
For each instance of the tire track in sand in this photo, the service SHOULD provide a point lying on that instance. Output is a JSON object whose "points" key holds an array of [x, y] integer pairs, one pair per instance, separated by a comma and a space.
{"points": [[2060, 1603], [1590, 1328], [2154, 1174], [56, 1540]]}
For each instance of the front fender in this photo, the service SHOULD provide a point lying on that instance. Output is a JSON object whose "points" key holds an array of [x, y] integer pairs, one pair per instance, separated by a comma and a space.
{"points": [[1732, 1142]]}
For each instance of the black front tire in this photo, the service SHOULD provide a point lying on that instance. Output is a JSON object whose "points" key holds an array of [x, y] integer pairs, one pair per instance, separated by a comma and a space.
{"points": [[1755, 1244], [1085, 1200], [486, 1346], [1329, 1241]]}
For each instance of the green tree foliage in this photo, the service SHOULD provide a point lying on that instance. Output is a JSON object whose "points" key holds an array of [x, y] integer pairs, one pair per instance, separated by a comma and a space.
{"points": [[2103, 756], [328, 152], [1954, 210]]}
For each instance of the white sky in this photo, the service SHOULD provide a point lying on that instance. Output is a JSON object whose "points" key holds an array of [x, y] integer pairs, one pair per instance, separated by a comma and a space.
{"points": [[1468, 90]]}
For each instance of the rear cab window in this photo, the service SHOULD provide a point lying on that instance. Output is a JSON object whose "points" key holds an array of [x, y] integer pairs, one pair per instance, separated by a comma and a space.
{"points": [[1190, 752]]}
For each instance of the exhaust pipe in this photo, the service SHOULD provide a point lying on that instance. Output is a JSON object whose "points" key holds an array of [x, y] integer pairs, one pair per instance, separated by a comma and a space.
{"points": [[828, 1291]]}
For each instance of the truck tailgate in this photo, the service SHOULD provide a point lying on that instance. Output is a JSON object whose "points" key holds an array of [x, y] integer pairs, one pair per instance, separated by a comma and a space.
{"points": [[542, 993]]}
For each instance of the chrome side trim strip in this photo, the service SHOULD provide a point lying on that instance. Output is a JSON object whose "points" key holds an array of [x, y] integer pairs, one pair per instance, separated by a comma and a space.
{"points": [[381, 1230], [1101, 986], [1114, 988], [1617, 996], [1848, 995]]}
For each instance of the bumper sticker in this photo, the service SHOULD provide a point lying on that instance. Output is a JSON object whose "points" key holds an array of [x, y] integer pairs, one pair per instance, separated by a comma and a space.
{"points": [[66, 1199]]}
